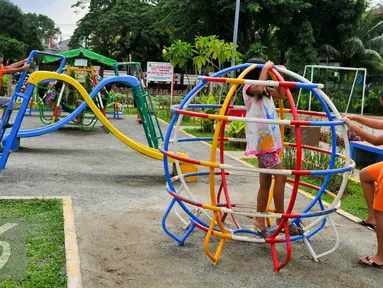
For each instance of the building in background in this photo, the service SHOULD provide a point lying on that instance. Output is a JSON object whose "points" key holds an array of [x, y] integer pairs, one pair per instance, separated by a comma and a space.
{"points": [[64, 45]]}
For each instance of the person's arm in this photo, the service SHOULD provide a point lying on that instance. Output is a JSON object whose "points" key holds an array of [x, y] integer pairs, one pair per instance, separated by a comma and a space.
{"points": [[366, 136], [372, 123], [277, 93], [18, 64], [15, 70], [258, 89], [280, 90]]}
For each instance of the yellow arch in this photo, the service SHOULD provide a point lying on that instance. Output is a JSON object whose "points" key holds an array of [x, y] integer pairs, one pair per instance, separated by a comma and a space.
{"points": [[39, 76]]}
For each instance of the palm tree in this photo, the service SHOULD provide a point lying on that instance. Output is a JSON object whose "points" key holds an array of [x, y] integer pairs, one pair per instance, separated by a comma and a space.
{"points": [[363, 50]]}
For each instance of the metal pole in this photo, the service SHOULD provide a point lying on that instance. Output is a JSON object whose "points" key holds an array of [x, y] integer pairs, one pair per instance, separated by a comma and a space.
{"points": [[352, 90], [235, 35], [312, 79], [300, 90], [364, 91]]}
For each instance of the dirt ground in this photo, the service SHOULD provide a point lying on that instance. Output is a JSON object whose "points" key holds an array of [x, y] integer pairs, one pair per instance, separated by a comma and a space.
{"points": [[119, 199]]}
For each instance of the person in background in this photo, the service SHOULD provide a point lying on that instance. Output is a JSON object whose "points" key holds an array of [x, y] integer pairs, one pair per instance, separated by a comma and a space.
{"points": [[10, 69], [371, 180]]}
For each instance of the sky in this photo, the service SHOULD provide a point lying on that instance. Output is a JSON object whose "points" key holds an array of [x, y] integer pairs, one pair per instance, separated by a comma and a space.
{"points": [[59, 11]]}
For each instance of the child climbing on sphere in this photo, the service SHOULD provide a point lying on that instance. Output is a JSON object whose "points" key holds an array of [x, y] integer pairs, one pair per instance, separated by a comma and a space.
{"points": [[264, 141], [50, 97]]}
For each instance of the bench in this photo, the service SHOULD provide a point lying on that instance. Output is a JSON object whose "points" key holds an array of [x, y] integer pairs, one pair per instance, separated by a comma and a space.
{"points": [[365, 153]]}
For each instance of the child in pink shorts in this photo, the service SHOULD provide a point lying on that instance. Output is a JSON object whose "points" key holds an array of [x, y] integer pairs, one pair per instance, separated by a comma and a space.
{"points": [[264, 141]]}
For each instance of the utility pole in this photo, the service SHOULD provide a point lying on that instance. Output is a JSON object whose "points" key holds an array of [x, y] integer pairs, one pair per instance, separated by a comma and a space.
{"points": [[235, 35]]}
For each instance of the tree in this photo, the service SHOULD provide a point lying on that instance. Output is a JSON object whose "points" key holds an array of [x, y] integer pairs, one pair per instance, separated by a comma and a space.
{"points": [[267, 27], [208, 53], [11, 21], [215, 17], [178, 54], [40, 28], [22, 32], [118, 29], [365, 48], [212, 53], [272, 23], [303, 52], [12, 48]]}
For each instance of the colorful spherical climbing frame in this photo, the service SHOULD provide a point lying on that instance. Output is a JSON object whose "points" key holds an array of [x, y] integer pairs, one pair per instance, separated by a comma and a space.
{"points": [[216, 214]]}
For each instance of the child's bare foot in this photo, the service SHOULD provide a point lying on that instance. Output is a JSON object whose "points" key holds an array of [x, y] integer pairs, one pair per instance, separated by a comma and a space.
{"points": [[260, 223], [260, 227]]}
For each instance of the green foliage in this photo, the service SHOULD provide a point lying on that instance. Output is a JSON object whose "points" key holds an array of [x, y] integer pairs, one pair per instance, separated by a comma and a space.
{"points": [[210, 53], [313, 160], [213, 53], [268, 29], [11, 20], [38, 27], [237, 130], [45, 247], [21, 33], [257, 50], [11, 31], [216, 19], [303, 52], [362, 48], [207, 125], [118, 29], [372, 103], [178, 53], [11, 48]]}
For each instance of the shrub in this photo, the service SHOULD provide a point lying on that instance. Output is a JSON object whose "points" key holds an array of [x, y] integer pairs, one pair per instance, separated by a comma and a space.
{"points": [[314, 161], [236, 130], [207, 125]]}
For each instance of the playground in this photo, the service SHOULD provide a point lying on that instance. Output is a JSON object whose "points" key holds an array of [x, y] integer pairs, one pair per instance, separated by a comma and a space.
{"points": [[119, 196], [143, 148], [119, 201]]}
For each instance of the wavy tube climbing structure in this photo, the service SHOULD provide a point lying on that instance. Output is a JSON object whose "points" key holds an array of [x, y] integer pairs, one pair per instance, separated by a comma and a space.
{"points": [[10, 141]]}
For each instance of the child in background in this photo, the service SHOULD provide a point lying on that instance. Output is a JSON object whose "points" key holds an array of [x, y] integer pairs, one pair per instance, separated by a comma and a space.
{"points": [[65, 107], [50, 98], [264, 142]]}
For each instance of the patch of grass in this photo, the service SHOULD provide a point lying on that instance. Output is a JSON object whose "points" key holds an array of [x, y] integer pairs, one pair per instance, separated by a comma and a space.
{"points": [[352, 203], [199, 133], [186, 121], [45, 250], [130, 111], [127, 110], [355, 204], [252, 161]]}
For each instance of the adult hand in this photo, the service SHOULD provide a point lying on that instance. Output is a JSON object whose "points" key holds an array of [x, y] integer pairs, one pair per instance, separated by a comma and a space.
{"points": [[346, 120], [351, 117]]}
